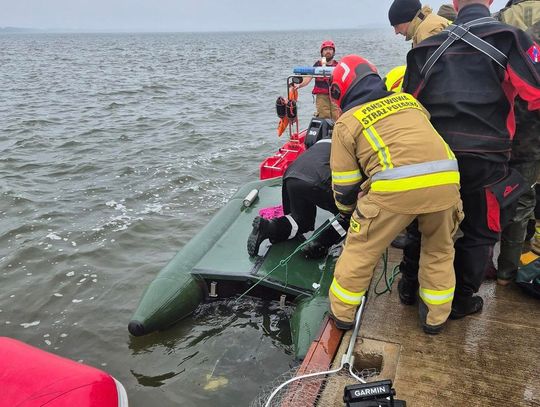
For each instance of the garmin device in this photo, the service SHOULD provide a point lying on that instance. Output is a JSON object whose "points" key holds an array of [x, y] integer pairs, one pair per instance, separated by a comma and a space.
{"points": [[373, 394]]}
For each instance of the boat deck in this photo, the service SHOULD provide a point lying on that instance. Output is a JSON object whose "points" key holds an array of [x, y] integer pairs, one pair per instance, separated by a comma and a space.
{"points": [[227, 258], [488, 359]]}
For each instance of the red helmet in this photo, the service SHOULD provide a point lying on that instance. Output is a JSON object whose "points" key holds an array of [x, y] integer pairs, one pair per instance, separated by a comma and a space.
{"points": [[328, 44], [350, 70]]}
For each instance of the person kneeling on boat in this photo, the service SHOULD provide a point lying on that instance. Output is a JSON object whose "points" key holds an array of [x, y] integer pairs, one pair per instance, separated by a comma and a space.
{"points": [[306, 186], [389, 166]]}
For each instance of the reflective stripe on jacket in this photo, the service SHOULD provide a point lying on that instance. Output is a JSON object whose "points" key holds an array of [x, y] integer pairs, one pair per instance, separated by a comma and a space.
{"points": [[389, 147]]}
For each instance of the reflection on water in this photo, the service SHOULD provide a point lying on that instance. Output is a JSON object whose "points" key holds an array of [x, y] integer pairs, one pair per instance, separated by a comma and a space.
{"points": [[233, 347]]}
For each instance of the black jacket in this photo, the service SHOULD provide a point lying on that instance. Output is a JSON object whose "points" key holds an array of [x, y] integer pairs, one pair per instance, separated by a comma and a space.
{"points": [[470, 97], [313, 166]]}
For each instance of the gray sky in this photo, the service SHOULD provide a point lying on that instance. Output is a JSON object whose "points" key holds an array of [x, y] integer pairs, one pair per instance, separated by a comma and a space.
{"points": [[197, 15]]}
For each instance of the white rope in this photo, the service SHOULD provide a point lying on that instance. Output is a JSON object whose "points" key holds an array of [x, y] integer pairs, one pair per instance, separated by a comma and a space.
{"points": [[346, 360]]}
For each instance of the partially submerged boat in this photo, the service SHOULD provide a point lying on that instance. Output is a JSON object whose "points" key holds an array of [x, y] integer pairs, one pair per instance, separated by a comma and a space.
{"points": [[215, 263]]}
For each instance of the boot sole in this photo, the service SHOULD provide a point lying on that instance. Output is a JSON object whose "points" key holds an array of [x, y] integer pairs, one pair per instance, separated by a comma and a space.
{"points": [[432, 330], [253, 244]]}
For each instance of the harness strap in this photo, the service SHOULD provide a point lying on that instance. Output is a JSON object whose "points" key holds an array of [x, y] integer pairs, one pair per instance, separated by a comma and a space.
{"points": [[462, 32]]}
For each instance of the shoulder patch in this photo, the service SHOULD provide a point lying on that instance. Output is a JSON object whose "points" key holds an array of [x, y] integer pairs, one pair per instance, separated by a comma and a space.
{"points": [[534, 53]]}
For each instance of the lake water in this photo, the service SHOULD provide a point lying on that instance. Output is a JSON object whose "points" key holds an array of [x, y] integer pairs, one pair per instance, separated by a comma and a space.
{"points": [[116, 149]]}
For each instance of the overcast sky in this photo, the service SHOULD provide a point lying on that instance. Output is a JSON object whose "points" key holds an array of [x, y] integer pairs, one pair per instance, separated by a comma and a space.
{"points": [[196, 15]]}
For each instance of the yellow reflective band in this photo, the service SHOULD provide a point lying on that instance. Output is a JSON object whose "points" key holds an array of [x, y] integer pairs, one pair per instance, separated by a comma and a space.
{"points": [[372, 112], [355, 225], [346, 177], [346, 296], [378, 145], [450, 153], [437, 297], [412, 183], [537, 232]]}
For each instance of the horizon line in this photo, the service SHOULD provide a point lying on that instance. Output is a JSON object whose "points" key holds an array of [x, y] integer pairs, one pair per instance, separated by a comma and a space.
{"points": [[29, 30]]}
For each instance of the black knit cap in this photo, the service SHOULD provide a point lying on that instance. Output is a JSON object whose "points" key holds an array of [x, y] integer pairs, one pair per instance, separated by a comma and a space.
{"points": [[403, 11]]}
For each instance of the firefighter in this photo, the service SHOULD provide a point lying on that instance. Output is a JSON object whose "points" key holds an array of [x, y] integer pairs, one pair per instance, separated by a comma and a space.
{"points": [[389, 167], [415, 22], [467, 77]]}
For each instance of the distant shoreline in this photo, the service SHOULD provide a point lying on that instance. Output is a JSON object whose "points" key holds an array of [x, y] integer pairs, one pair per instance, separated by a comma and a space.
{"points": [[24, 30]]}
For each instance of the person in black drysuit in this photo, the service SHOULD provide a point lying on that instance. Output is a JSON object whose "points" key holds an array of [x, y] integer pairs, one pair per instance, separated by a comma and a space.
{"points": [[306, 187], [470, 97]]}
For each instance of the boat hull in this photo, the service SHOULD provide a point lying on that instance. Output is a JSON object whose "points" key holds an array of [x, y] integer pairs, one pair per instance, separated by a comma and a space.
{"points": [[217, 257]]}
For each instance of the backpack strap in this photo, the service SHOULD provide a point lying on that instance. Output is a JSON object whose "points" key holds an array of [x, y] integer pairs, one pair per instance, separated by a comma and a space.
{"points": [[462, 32]]}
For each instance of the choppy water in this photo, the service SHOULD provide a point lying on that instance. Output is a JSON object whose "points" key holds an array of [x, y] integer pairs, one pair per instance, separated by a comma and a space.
{"points": [[115, 149]]}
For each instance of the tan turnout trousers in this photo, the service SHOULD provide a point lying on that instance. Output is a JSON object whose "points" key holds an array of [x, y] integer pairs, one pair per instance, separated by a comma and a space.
{"points": [[371, 233], [325, 108]]}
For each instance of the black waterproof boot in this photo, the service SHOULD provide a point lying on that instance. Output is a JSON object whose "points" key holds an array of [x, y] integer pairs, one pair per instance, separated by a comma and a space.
{"points": [[400, 241], [408, 291], [260, 232], [315, 250], [344, 326], [429, 329], [318, 248], [463, 306], [277, 230]]}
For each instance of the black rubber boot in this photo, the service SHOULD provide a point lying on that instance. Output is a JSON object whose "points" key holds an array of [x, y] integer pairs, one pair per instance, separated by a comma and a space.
{"points": [[400, 241], [344, 326], [318, 248], [428, 329], [463, 306], [408, 291], [260, 232], [277, 230], [315, 250]]}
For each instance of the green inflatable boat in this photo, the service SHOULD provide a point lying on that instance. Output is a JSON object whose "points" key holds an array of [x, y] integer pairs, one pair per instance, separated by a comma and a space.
{"points": [[215, 264]]}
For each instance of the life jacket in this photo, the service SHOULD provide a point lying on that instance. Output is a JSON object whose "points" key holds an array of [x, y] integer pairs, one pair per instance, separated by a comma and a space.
{"points": [[322, 84], [286, 118], [521, 13]]}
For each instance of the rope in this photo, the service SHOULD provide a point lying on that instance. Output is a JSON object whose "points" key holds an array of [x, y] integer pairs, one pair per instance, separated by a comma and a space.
{"points": [[347, 360], [389, 280], [283, 262]]}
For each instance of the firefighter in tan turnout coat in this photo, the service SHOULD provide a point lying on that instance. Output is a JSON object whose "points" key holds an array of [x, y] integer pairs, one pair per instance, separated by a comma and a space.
{"points": [[389, 166]]}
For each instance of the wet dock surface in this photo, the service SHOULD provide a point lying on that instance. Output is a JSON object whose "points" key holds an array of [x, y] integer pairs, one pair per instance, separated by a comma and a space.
{"points": [[487, 359]]}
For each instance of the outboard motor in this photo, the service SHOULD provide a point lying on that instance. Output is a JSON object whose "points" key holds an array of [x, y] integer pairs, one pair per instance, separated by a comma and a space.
{"points": [[318, 129]]}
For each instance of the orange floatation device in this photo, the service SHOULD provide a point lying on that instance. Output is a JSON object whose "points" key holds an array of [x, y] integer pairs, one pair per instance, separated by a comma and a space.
{"points": [[286, 111]]}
